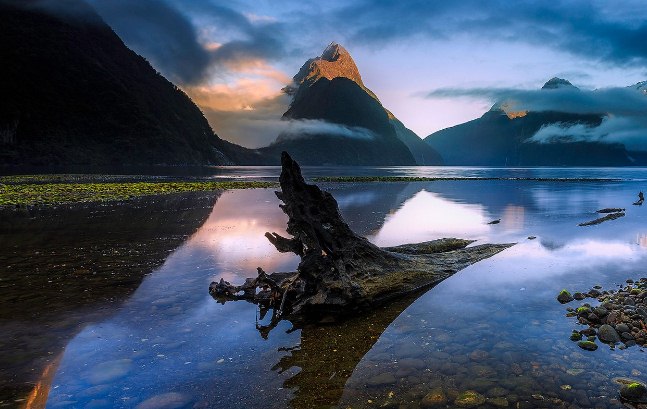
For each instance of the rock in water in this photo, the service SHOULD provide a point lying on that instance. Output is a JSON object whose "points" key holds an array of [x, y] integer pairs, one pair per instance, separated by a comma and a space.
{"points": [[434, 398], [634, 392], [564, 297], [588, 345], [606, 333], [340, 272], [469, 399]]}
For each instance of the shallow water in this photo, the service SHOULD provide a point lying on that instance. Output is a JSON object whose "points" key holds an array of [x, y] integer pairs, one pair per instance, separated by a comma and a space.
{"points": [[494, 327]]}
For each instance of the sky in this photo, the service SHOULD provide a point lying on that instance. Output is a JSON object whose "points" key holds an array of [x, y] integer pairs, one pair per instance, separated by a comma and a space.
{"points": [[434, 64]]}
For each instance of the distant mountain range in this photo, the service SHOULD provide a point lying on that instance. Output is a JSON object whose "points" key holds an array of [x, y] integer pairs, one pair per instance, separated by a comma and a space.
{"points": [[503, 136], [73, 93]]}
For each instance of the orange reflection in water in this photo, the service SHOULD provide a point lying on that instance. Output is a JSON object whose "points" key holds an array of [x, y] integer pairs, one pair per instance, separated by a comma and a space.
{"points": [[234, 233], [514, 217], [37, 399], [641, 239]]}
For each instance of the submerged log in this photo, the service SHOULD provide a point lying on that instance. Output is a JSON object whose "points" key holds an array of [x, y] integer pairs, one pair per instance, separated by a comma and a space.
{"points": [[342, 273]]}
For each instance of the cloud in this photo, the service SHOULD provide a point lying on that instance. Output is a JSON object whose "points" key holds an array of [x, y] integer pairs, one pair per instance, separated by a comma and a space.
{"points": [[262, 126], [624, 111], [300, 128], [629, 131], [250, 128], [255, 83], [593, 30], [618, 101], [175, 35]]}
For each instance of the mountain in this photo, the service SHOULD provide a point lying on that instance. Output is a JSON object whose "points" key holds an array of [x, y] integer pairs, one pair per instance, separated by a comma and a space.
{"points": [[502, 137], [73, 93], [338, 120]]}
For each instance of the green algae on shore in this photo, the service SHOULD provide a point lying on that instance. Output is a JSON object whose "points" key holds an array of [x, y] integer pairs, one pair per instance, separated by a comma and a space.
{"points": [[45, 194]]}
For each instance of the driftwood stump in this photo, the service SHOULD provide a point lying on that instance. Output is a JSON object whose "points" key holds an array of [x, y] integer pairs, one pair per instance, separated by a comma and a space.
{"points": [[341, 273]]}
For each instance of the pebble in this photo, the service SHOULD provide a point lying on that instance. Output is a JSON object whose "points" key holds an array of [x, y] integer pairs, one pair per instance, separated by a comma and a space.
{"points": [[381, 379], [619, 318], [109, 371], [171, 400], [436, 397], [469, 399]]}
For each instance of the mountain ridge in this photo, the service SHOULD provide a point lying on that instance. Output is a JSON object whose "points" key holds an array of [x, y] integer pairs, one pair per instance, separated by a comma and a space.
{"points": [[503, 137], [330, 88], [75, 94]]}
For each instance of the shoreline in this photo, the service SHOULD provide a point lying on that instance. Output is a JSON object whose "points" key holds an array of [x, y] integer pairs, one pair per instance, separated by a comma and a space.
{"points": [[26, 191]]}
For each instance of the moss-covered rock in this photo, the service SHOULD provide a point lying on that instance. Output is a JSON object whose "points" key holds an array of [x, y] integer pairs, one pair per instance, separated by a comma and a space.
{"points": [[576, 336], [634, 392], [564, 297], [587, 345], [469, 399], [435, 398]]}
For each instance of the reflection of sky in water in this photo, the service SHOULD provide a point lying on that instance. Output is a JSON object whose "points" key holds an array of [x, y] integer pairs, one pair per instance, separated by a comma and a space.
{"points": [[172, 339], [417, 220]]}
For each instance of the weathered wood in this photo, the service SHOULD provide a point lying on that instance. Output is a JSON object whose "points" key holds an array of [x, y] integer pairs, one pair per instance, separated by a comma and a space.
{"points": [[342, 273]]}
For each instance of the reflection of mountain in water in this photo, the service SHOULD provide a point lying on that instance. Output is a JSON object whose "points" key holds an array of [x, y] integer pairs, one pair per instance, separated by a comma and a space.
{"points": [[66, 267], [327, 355], [365, 205]]}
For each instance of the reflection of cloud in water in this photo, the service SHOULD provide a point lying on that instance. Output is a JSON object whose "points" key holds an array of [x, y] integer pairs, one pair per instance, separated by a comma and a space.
{"points": [[513, 218], [235, 233], [428, 216], [569, 200], [350, 199], [532, 261], [641, 239]]}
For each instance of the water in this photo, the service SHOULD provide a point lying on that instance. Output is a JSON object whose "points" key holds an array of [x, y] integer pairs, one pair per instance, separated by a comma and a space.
{"points": [[494, 327], [270, 172]]}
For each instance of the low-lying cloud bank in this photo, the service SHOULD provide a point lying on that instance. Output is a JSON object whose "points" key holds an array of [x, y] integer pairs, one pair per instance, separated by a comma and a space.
{"points": [[254, 129], [624, 112], [300, 128]]}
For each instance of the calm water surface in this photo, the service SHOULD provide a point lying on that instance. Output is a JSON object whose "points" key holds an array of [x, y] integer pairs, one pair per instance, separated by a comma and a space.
{"points": [[494, 327]]}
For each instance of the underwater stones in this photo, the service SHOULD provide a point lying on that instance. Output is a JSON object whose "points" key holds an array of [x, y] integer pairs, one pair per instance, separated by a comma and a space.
{"points": [[381, 379], [496, 392], [478, 355], [412, 363], [634, 392], [436, 397], [479, 384], [482, 371], [110, 370], [469, 399], [564, 297], [607, 334], [171, 400], [587, 345], [499, 402]]}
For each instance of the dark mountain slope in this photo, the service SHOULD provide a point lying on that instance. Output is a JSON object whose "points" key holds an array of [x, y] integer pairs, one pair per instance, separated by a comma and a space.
{"points": [[343, 102], [329, 95], [502, 138], [73, 93]]}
